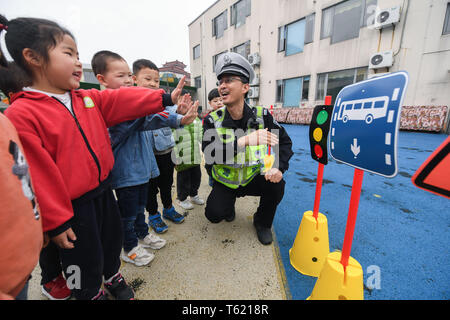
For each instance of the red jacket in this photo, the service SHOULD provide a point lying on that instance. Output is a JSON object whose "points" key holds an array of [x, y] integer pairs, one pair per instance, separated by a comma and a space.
{"points": [[70, 155]]}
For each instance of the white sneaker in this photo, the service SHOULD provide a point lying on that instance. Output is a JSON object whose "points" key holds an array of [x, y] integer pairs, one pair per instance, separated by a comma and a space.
{"points": [[186, 204], [153, 241], [197, 200], [138, 256]]}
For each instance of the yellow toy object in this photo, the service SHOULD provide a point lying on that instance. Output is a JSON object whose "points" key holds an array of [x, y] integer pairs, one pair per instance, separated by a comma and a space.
{"points": [[338, 283], [311, 246], [269, 159]]}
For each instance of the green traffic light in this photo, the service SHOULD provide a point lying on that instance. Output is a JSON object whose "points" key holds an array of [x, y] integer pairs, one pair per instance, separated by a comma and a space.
{"points": [[322, 117]]}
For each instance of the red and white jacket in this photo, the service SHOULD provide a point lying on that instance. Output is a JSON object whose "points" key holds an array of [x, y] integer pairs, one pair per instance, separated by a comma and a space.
{"points": [[70, 154]]}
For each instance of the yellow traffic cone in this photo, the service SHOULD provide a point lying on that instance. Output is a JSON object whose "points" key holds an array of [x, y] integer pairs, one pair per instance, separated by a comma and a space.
{"points": [[311, 246], [335, 284]]}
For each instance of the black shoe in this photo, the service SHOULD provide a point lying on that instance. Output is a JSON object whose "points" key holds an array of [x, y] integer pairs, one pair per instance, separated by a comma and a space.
{"points": [[231, 217], [119, 289], [264, 234], [100, 296]]}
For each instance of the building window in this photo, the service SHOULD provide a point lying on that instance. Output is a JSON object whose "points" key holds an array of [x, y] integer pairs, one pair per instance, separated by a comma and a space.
{"points": [[309, 28], [219, 24], [196, 52], [243, 49], [291, 91], [369, 14], [342, 21], [295, 37], [239, 11], [329, 84], [305, 91], [447, 21], [280, 88], [327, 22], [198, 82], [281, 38], [215, 58]]}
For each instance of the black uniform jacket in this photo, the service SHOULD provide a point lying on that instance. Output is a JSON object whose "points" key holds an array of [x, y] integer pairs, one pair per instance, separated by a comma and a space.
{"points": [[283, 150]]}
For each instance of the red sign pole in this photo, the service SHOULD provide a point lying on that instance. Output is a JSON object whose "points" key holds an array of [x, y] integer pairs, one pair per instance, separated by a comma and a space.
{"points": [[351, 219], [271, 112], [318, 190]]}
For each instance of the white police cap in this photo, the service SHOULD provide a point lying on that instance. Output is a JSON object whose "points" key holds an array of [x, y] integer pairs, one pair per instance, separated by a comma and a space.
{"points": [[234, 63]]}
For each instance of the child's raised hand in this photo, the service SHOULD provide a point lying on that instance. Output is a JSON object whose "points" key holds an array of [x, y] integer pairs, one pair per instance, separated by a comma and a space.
{"points": [[177, 92], [184, 103], [191, 113]]}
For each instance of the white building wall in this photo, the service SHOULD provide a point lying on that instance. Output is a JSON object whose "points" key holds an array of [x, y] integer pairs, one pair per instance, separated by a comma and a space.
{"points": [[417, 42]]}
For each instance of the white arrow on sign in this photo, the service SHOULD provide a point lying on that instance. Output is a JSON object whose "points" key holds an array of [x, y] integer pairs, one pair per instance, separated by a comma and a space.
{"points": [[355, 148]]}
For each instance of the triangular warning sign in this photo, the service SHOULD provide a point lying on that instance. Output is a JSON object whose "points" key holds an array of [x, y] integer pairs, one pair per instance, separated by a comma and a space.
{"points": [[434, 174]]}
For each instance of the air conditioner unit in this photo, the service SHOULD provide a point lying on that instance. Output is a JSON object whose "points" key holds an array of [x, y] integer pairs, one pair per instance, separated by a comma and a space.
{"points": [[254, 59], [387, 17], [253, 93], [255, 81], [381, 60]]}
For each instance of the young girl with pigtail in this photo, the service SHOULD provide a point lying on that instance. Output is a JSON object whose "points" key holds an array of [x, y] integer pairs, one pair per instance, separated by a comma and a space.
{"points": [[66, 142]]}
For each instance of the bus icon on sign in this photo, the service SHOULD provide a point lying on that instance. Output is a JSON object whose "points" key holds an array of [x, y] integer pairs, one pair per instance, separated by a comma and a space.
{"points": [[365, 122], [362, 109]]}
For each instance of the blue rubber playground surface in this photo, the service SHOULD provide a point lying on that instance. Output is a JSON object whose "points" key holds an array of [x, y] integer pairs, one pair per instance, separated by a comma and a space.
{"points": [[401, 231]]}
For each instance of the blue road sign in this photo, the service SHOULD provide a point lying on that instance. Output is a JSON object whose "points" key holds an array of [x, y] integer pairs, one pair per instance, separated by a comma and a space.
{"points": [[365, 122]]}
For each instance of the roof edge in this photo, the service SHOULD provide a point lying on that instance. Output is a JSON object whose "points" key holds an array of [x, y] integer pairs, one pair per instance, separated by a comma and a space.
{"points": [[203, 12]]}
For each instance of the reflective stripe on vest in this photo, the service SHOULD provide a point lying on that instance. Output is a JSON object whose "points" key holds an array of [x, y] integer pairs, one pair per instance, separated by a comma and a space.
{"points": [[246, 165]]}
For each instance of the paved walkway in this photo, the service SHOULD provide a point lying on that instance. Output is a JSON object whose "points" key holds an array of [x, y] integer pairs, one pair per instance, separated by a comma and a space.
{"points": [[206, 261]]}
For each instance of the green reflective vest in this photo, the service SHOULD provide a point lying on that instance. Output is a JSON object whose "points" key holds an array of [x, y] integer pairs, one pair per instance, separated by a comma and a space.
{"points": [[187, 145], [246, 164]]}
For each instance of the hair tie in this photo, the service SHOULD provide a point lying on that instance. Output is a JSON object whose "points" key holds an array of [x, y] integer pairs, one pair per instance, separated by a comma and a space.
{"points": [[3, 26]]}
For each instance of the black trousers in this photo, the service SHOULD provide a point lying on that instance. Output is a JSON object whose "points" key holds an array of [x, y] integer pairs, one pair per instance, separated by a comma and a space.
{"points": [[163, 182], [188, 182], [97, 226], [50, 263], [221, 200]]}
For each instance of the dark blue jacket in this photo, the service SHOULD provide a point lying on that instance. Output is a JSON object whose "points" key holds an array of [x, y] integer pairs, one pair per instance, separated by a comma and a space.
{"points": [[132, 143]]}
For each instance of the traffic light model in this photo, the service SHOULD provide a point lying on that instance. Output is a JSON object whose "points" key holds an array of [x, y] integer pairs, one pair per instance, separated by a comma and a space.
{"points": [[311, 245], [318, 132]]}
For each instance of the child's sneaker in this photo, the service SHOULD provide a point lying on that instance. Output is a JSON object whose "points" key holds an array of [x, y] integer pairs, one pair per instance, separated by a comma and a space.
{"points": [[172, 215], [186, 204], [118, 288], [197, 200], [57, 289], [157, 224], [101, 295], [138, 256], [153, 241]]}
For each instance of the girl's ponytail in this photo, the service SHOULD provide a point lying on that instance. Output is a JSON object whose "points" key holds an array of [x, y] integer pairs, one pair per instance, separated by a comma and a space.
{"points": [[12, 77], [3, 28]]}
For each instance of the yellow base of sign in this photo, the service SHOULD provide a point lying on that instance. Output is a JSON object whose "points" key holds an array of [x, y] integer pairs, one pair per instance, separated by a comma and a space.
{"points": [[335, 284], [311, 246]]}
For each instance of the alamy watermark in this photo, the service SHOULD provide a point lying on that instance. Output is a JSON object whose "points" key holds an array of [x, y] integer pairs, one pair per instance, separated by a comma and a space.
{"points": [[373, 280]]}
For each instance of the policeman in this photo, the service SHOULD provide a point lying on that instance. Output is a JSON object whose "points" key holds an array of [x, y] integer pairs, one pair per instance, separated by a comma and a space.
{"points": [[236, 139]]}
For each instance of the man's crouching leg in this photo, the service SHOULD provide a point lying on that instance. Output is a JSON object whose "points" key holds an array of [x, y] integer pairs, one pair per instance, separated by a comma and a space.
{"points": [[271, 195], [220, 203]]}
